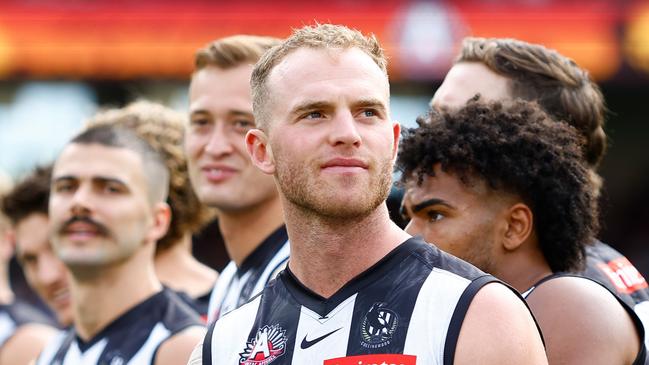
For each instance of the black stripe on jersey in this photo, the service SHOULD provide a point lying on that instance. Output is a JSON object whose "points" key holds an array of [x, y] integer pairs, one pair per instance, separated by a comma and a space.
{"points": [[459, 313], [65, 345], [276, 311], [207, 345]]}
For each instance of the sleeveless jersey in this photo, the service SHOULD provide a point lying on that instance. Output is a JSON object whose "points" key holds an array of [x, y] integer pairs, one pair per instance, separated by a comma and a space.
{"points": [[406, 309], [642, 357], [17, 314], [236, 285], [131, 339], [611, 269]]}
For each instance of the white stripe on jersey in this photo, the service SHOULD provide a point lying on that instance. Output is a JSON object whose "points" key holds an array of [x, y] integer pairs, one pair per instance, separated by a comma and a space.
{"points": [[226, 294], [311, 327], [51, 348], [156, 337], [7, 327], [230, 334], [427, 333]]}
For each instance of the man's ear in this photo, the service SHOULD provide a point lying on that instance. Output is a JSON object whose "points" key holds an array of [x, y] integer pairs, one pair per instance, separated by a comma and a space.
{"points": [[259, 151], [396, 130], [520, 223], [161, 221]]}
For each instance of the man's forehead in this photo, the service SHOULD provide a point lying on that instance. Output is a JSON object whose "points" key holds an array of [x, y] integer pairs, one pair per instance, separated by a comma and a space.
{"points": [[90, 160], [323, 74]]}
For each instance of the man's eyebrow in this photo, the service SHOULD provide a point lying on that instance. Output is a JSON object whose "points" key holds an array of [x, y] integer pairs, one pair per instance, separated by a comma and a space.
{"points": [[63, 178], [108, 179], [427, 203], [199, 111], [240, 113], [310, 106], [370, 102]]}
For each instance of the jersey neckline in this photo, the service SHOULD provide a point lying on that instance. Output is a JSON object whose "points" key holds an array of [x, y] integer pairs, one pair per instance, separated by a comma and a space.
{"points": [[323, 306]]}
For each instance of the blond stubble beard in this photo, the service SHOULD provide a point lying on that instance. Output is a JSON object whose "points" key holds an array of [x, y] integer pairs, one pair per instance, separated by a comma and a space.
{"points": [[315, 197]]}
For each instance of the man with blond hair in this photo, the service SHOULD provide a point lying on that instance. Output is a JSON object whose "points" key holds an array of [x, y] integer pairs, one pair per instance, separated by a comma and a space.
{"points": [[358, 289], [248, 207]]}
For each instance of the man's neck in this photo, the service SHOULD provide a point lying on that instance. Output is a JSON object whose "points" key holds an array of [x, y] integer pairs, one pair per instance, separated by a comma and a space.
{"points": [[244, 231], [349, 245], [102, 298], [179, 270], [523, 267]]}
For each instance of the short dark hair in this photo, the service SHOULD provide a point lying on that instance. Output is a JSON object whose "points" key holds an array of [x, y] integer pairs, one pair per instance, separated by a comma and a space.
{"points": [[155, 170], [513, 147], [29, 196]]}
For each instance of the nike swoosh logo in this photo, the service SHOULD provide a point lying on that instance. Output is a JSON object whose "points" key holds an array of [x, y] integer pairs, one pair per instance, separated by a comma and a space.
{"points": [[306, 344]]}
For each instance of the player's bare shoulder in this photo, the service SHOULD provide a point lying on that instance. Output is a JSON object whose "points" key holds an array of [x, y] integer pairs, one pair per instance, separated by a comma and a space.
{"points": [[499, 329]]}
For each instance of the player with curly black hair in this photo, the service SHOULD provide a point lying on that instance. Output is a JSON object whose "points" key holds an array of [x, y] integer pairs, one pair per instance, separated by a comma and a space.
{"points": [[505, 69], [505, 187]]}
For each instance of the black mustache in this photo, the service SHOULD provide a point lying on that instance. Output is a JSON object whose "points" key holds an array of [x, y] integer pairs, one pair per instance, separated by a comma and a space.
{"points": [[101, 229]]}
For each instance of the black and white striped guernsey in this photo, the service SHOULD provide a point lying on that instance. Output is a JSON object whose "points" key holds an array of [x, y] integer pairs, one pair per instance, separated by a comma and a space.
{"points": [[131, 339], [17, 314], [236, 285], [406, 309]]}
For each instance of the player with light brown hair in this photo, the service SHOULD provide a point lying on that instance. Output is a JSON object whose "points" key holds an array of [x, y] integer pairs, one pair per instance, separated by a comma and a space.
{"points": [[499, 69], [357, 289], [248, 207], [163, 129]]}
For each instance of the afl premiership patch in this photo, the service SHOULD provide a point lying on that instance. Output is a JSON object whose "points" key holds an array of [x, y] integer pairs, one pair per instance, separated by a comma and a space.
{"points": [[378, 326], [268, 345]]}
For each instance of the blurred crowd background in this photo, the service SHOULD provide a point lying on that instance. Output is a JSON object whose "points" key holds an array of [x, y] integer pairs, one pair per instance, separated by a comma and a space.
{"points": [[61, 61]]}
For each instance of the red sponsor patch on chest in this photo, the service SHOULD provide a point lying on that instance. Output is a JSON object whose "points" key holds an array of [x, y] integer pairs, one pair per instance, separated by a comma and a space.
{"points": [[375, 359]]}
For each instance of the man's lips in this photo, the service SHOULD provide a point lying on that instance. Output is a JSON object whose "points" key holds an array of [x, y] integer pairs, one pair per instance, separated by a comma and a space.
{"points": [[218, 173], [342, 164]]}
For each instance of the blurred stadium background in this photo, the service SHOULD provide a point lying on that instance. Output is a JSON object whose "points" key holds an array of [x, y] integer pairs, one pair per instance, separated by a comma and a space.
{"points": [[62, 60]]}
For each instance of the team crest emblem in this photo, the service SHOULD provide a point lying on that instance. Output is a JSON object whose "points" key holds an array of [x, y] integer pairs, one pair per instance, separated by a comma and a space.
{"points": [[378, 326], [268, 345]]}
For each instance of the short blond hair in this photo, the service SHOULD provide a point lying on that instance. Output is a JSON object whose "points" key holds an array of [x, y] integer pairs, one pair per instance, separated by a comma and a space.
{"points": [[319, 36], [163, 129], [230, 52]]}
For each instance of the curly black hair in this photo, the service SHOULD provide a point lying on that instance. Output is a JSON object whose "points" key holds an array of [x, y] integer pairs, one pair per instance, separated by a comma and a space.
{"points": [[513, 147]]}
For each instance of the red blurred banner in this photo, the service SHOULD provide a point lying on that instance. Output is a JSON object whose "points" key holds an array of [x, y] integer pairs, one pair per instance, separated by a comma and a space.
{"points": [[127, 39]]}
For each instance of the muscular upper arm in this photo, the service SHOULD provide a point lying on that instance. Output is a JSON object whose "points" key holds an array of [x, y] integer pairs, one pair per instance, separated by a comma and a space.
{"points": [[498, 329], [178, 348], [583, 323], [26, 344]]}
